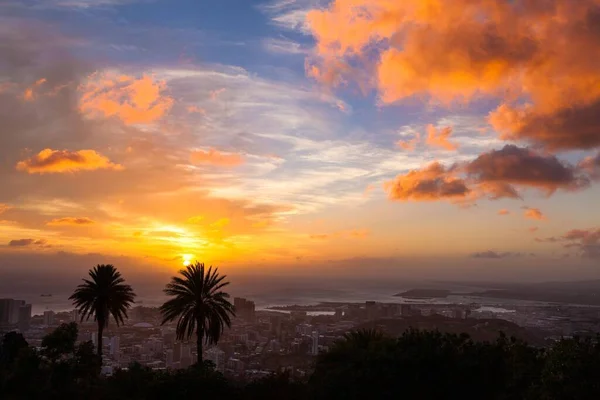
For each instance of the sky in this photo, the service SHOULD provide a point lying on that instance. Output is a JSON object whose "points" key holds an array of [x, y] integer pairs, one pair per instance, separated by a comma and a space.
{"points": [[415, 138]]}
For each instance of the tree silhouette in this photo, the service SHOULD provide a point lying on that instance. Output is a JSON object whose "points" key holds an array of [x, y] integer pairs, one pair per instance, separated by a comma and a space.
{"points": [[199, 304], [103, 295]]}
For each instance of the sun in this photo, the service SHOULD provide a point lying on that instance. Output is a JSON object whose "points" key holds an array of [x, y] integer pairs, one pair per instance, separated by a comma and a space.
{"points": [[187, 259]]}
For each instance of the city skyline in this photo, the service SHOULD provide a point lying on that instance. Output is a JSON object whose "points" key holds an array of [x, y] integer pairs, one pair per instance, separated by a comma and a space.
{"points": [[345, 138]]}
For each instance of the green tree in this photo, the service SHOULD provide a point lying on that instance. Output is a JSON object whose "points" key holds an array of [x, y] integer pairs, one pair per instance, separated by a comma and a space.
{"points": [[199, 304], [103, 295]]}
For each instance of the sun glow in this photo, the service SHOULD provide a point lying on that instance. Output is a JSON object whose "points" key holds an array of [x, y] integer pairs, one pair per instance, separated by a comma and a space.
{"points": [[187, 259]]}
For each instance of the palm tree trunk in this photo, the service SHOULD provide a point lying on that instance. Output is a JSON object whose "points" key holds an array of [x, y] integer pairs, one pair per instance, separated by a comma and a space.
{"points": [[100, 333], [199, 340]]}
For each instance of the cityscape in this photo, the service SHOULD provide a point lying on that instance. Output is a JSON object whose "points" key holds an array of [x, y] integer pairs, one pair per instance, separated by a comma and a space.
{"points": [[288, 338]]}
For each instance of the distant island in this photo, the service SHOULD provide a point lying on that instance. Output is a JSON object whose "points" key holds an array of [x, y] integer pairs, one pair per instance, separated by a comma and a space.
{"points": [[424, 293]]}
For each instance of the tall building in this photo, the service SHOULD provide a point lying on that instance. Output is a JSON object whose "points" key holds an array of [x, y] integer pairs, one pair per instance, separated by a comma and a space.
{"points": [[177, 352], [217, 356], [169, 358], [48, 318], [14, 312], [115, 343], [5, 311], [244, 309], [315, 343], [186, 351], [75, 315], [24, 317]]}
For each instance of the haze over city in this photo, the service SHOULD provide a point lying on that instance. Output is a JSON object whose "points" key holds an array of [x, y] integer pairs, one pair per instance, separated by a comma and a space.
{"points": [[355, 139]]}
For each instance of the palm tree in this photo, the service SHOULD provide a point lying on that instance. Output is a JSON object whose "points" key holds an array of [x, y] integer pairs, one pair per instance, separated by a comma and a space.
{"points": [[199, 304], [103, 295]]}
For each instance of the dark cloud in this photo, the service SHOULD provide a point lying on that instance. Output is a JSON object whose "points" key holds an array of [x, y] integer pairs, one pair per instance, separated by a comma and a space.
{"points": [[587, 241], [26, 242], [569, 127], [494, 255], [514, 165]]}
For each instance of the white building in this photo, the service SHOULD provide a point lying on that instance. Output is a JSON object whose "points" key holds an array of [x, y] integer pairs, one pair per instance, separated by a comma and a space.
{"points": [[217, 356]]}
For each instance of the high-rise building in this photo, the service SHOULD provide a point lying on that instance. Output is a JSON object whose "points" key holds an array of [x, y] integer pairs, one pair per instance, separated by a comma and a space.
{"points": [[177, 352], [217, 356], [9, 311], [169, 358], [48, 318], [244, 309], [186, 351], [14, 312], [75, 316], [315, 343], [24, 317], [115, 343]]}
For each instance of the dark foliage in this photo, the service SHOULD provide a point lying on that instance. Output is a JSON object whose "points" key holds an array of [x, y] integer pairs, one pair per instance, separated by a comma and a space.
{"points": [[363, 365]]}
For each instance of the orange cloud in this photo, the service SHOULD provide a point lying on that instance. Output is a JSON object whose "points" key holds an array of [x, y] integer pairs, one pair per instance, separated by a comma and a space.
{"points": [[214, 94], [439, 138], [196, 109], [61, 161], [134, 101], [347, 234], [29, 94], [534, 213], [409, 145], [504, 211], [196, 219], [4, 208], [463, 49], [71, 221], [215, 157], [220, 223], [433, 182]]}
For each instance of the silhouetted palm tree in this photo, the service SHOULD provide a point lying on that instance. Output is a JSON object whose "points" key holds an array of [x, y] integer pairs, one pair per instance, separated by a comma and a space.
{"points": [[199, 304], [103, 295]]}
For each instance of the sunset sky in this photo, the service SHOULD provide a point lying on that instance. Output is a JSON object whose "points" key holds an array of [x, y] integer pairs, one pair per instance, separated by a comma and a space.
{"points": [[423, 137]]}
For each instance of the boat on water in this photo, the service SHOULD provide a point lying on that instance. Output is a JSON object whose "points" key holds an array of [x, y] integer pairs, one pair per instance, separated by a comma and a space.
{"points": [[45, 295]]}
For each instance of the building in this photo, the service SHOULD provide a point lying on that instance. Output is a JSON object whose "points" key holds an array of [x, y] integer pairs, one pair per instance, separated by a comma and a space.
{"points": [[217, 356], [405, 310], [244, 309], [75, 315], [48, 318], [10, 311], [315, 343], [235, 365], [177, 352], [169, 358], [24, 317], [371, 310], [115, 343]]}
